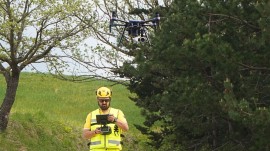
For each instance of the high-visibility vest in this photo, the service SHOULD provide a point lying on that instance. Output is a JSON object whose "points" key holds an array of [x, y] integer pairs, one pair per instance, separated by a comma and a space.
{"points": [[110, 141]]}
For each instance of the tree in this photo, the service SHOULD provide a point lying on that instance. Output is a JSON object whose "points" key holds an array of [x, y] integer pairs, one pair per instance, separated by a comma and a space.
{"points": [[33, 31], [108, 51], [204, 83]]}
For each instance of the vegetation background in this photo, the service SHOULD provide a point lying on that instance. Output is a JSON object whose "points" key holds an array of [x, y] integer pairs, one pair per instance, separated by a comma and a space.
{"points": [[49, 114], [203, 83]]}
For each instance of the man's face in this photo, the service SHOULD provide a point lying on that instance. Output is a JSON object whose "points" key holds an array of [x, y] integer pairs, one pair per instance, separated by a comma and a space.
{"points": [[104, 103]]}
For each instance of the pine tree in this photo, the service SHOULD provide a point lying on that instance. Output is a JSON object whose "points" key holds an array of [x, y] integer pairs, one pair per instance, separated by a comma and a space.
{"points": [[204, 83]]}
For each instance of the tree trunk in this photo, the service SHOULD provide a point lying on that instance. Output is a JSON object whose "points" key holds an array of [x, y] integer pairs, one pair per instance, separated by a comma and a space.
{"points": [[12, 81]]}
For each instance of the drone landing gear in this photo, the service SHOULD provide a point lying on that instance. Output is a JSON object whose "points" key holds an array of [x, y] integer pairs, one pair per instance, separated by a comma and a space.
{"points": [[121, 38]]}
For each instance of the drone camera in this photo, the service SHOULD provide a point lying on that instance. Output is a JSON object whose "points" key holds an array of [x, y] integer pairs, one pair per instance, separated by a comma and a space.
{"points": [[141, 39]]}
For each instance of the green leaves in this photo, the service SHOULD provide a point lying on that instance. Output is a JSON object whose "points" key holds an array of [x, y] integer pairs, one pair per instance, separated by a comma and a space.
{"points": [[207, 76]]}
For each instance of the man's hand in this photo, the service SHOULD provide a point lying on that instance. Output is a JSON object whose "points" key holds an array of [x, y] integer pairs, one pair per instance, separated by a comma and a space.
{"points": [[111, 118], [119, 123], [97, 130]]}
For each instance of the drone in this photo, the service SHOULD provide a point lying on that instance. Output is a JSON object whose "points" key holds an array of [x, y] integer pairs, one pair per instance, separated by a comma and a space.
{"points": [[135, 28]]}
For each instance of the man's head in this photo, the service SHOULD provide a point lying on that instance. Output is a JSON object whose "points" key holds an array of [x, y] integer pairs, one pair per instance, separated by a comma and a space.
{"points": [[104, 97]]}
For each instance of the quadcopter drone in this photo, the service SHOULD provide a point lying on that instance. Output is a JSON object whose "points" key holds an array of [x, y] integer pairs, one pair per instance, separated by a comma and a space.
{"points": [[135, 28]]}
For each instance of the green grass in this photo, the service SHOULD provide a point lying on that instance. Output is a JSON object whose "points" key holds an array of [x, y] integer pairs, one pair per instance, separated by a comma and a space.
{"points": [[36, 132], [60, 108]]}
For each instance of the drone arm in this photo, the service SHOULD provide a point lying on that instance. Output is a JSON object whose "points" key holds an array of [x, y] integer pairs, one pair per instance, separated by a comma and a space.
{"points": [[119, 25], [119, 20], [155, 21], [149, 25], [113, 24], [148, 21], [156, 18], [115, 19]]}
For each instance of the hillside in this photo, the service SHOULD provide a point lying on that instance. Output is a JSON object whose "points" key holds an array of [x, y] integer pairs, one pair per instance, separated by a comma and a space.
{"points": [[49, 113]]}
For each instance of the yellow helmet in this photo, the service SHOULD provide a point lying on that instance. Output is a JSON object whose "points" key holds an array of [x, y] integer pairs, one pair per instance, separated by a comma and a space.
{"points": [[104, 92]]}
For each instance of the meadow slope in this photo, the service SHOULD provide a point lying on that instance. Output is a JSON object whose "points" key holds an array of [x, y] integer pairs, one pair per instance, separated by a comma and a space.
{"points": [[49, 114]]}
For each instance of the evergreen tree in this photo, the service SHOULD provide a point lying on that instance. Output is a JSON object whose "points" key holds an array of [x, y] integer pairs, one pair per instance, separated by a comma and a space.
{"points": [[204, 84]]}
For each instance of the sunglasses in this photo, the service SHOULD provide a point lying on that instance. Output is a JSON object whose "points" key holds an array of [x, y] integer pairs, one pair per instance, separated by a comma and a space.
{"points": [[105, 100]]}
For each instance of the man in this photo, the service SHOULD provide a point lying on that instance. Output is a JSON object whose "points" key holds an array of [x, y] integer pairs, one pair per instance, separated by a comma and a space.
{"points": [[105, 137]]}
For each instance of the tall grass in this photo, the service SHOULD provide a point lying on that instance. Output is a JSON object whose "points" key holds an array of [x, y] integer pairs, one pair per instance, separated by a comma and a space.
{"points": [[43, 99]]}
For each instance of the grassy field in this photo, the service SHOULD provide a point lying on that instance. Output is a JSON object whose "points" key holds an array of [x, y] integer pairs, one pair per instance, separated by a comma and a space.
{"points": [[49, 114]]}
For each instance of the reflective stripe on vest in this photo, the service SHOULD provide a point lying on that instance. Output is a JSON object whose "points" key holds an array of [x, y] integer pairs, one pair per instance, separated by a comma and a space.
{"points": [[114, 142], [96, 143]]}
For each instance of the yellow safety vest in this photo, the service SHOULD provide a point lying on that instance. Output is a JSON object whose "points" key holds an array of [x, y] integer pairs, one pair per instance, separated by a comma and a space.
{"points": [[110, 141]]}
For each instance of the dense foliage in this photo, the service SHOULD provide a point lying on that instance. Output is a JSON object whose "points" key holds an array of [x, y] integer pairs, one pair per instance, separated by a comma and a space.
{"points": [[204, 83]]}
